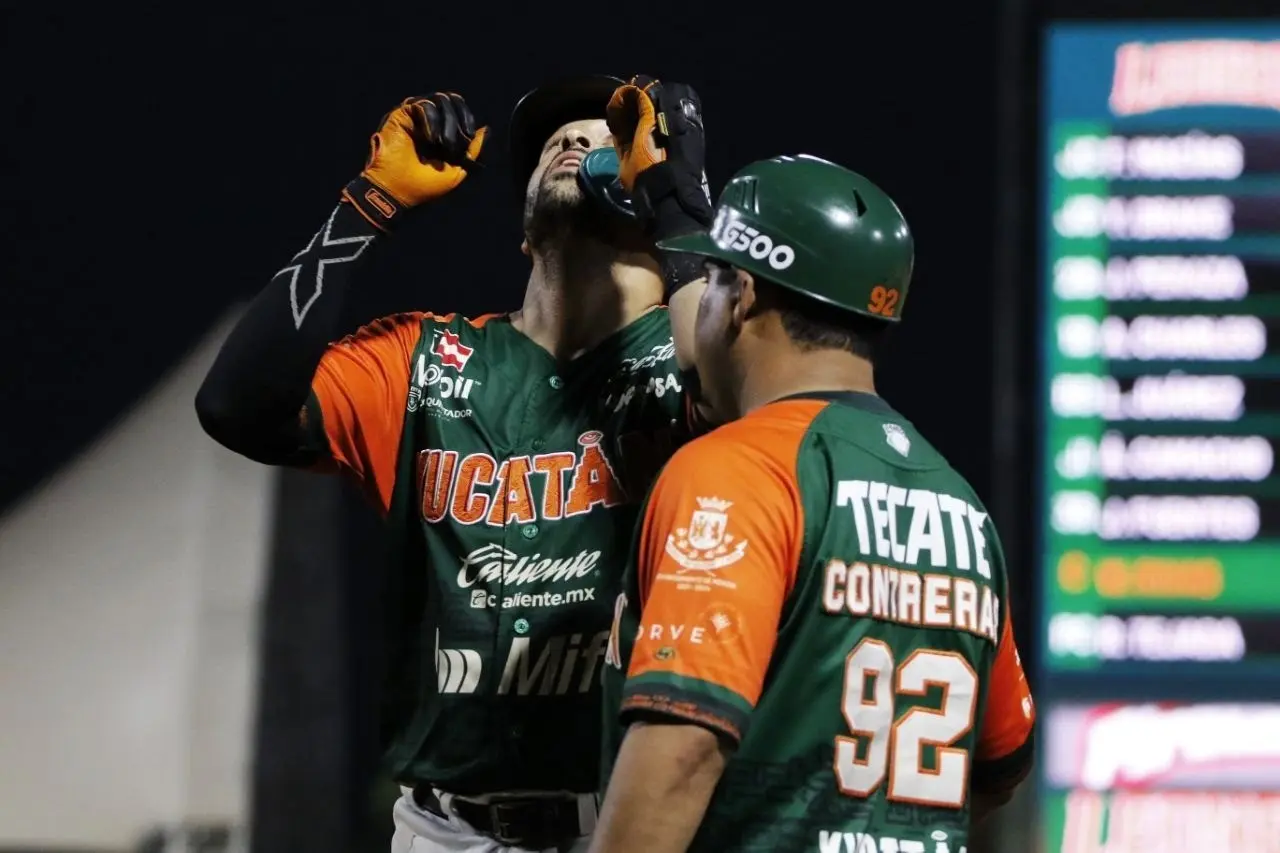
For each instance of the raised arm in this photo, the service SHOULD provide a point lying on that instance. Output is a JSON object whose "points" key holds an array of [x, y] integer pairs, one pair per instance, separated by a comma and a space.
{"points": [[661, 142], [254, 398]]}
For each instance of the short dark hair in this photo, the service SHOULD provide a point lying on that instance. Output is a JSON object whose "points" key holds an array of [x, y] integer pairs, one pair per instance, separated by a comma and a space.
{"points": [[814, 325]]}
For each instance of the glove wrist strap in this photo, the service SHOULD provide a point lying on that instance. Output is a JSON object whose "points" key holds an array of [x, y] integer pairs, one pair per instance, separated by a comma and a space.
{"points": [[374, 203], [679, 269]]}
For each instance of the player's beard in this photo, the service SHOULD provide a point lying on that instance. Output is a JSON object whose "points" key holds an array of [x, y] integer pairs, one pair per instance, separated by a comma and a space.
{"points": [[558, 212]]}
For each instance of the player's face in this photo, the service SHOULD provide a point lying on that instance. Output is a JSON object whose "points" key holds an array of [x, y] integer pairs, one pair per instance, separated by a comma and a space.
{"points": [[721, 314], [554, 181], [555, 206]]}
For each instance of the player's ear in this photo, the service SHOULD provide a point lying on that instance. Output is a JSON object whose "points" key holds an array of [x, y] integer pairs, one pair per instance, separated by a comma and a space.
{"points": [[524, 247], [744, 298]]}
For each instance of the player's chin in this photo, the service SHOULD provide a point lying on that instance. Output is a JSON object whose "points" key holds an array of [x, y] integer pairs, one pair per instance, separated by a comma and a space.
{"points": [[558, 200], [560, 187]]}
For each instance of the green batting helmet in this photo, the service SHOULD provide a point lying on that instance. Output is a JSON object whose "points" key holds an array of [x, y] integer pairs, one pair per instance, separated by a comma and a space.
{"points": [[813, 227]]}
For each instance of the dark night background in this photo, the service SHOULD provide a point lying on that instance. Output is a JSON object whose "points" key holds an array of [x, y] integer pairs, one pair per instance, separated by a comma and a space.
{"points": [[168, 164], [160, 165]]}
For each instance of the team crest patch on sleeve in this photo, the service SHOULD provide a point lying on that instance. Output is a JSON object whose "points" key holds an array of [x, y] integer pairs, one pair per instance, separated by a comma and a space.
{"points": [[452, 351], [897, 439], [706, 544]]}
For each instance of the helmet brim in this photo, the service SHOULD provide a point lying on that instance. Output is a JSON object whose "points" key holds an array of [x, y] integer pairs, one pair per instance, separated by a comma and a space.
{"points": [[697, 243]]}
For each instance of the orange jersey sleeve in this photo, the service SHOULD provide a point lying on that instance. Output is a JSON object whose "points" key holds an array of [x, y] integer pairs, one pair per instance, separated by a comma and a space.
{"points": [[718, 553], [1010, 714], [361, 387]]}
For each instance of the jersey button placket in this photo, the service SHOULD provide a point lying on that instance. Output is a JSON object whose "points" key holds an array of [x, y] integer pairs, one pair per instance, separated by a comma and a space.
{"points": [[529, 531]]}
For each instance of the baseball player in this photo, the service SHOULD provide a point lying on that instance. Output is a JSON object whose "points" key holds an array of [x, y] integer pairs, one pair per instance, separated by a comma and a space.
{"points": [[812, 650], [508, 453]]}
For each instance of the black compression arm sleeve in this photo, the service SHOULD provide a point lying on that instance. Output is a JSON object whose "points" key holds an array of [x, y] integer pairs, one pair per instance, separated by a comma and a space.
{"points": [[253, 395]]}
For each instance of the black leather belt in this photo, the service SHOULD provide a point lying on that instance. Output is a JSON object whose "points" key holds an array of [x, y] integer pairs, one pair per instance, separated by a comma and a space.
{"points": [[534, 822]]}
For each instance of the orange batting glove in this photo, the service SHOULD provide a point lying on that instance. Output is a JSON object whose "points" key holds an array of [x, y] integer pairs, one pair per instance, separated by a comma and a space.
{"points": [[661, 144], [633, 119], [422, 151]]}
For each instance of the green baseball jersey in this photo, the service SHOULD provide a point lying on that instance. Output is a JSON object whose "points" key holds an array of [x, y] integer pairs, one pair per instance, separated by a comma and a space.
{"points": [[817, 585], [511, 484]]}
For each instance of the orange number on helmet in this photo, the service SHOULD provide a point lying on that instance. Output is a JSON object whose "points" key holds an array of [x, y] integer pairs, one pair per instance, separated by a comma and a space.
{"points": [[883, 300]]}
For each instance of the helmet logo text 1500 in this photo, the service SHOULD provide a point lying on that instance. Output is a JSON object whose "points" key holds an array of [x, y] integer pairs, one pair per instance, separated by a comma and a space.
{"points": [[732, 234]]}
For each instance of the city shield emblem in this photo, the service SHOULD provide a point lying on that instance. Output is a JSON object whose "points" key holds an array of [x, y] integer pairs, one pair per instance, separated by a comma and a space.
{"points": [[706, 527], [706, 544]]}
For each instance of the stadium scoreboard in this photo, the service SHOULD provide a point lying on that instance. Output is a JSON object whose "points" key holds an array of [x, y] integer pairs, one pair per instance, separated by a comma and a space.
{"points": [[1163, 350], [1160, 512]]}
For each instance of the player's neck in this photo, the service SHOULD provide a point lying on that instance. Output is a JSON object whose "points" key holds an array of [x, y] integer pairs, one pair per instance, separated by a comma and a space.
{"points": [[772, 379], [578, 298]]}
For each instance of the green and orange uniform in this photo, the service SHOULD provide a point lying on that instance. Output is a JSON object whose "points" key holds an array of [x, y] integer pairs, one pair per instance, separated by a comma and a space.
{"points": [[818, 586], [509, 481], [510, 485]]}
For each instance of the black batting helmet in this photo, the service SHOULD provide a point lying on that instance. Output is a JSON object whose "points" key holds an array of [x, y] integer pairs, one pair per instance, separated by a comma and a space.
{"points": [[543, 111]]}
